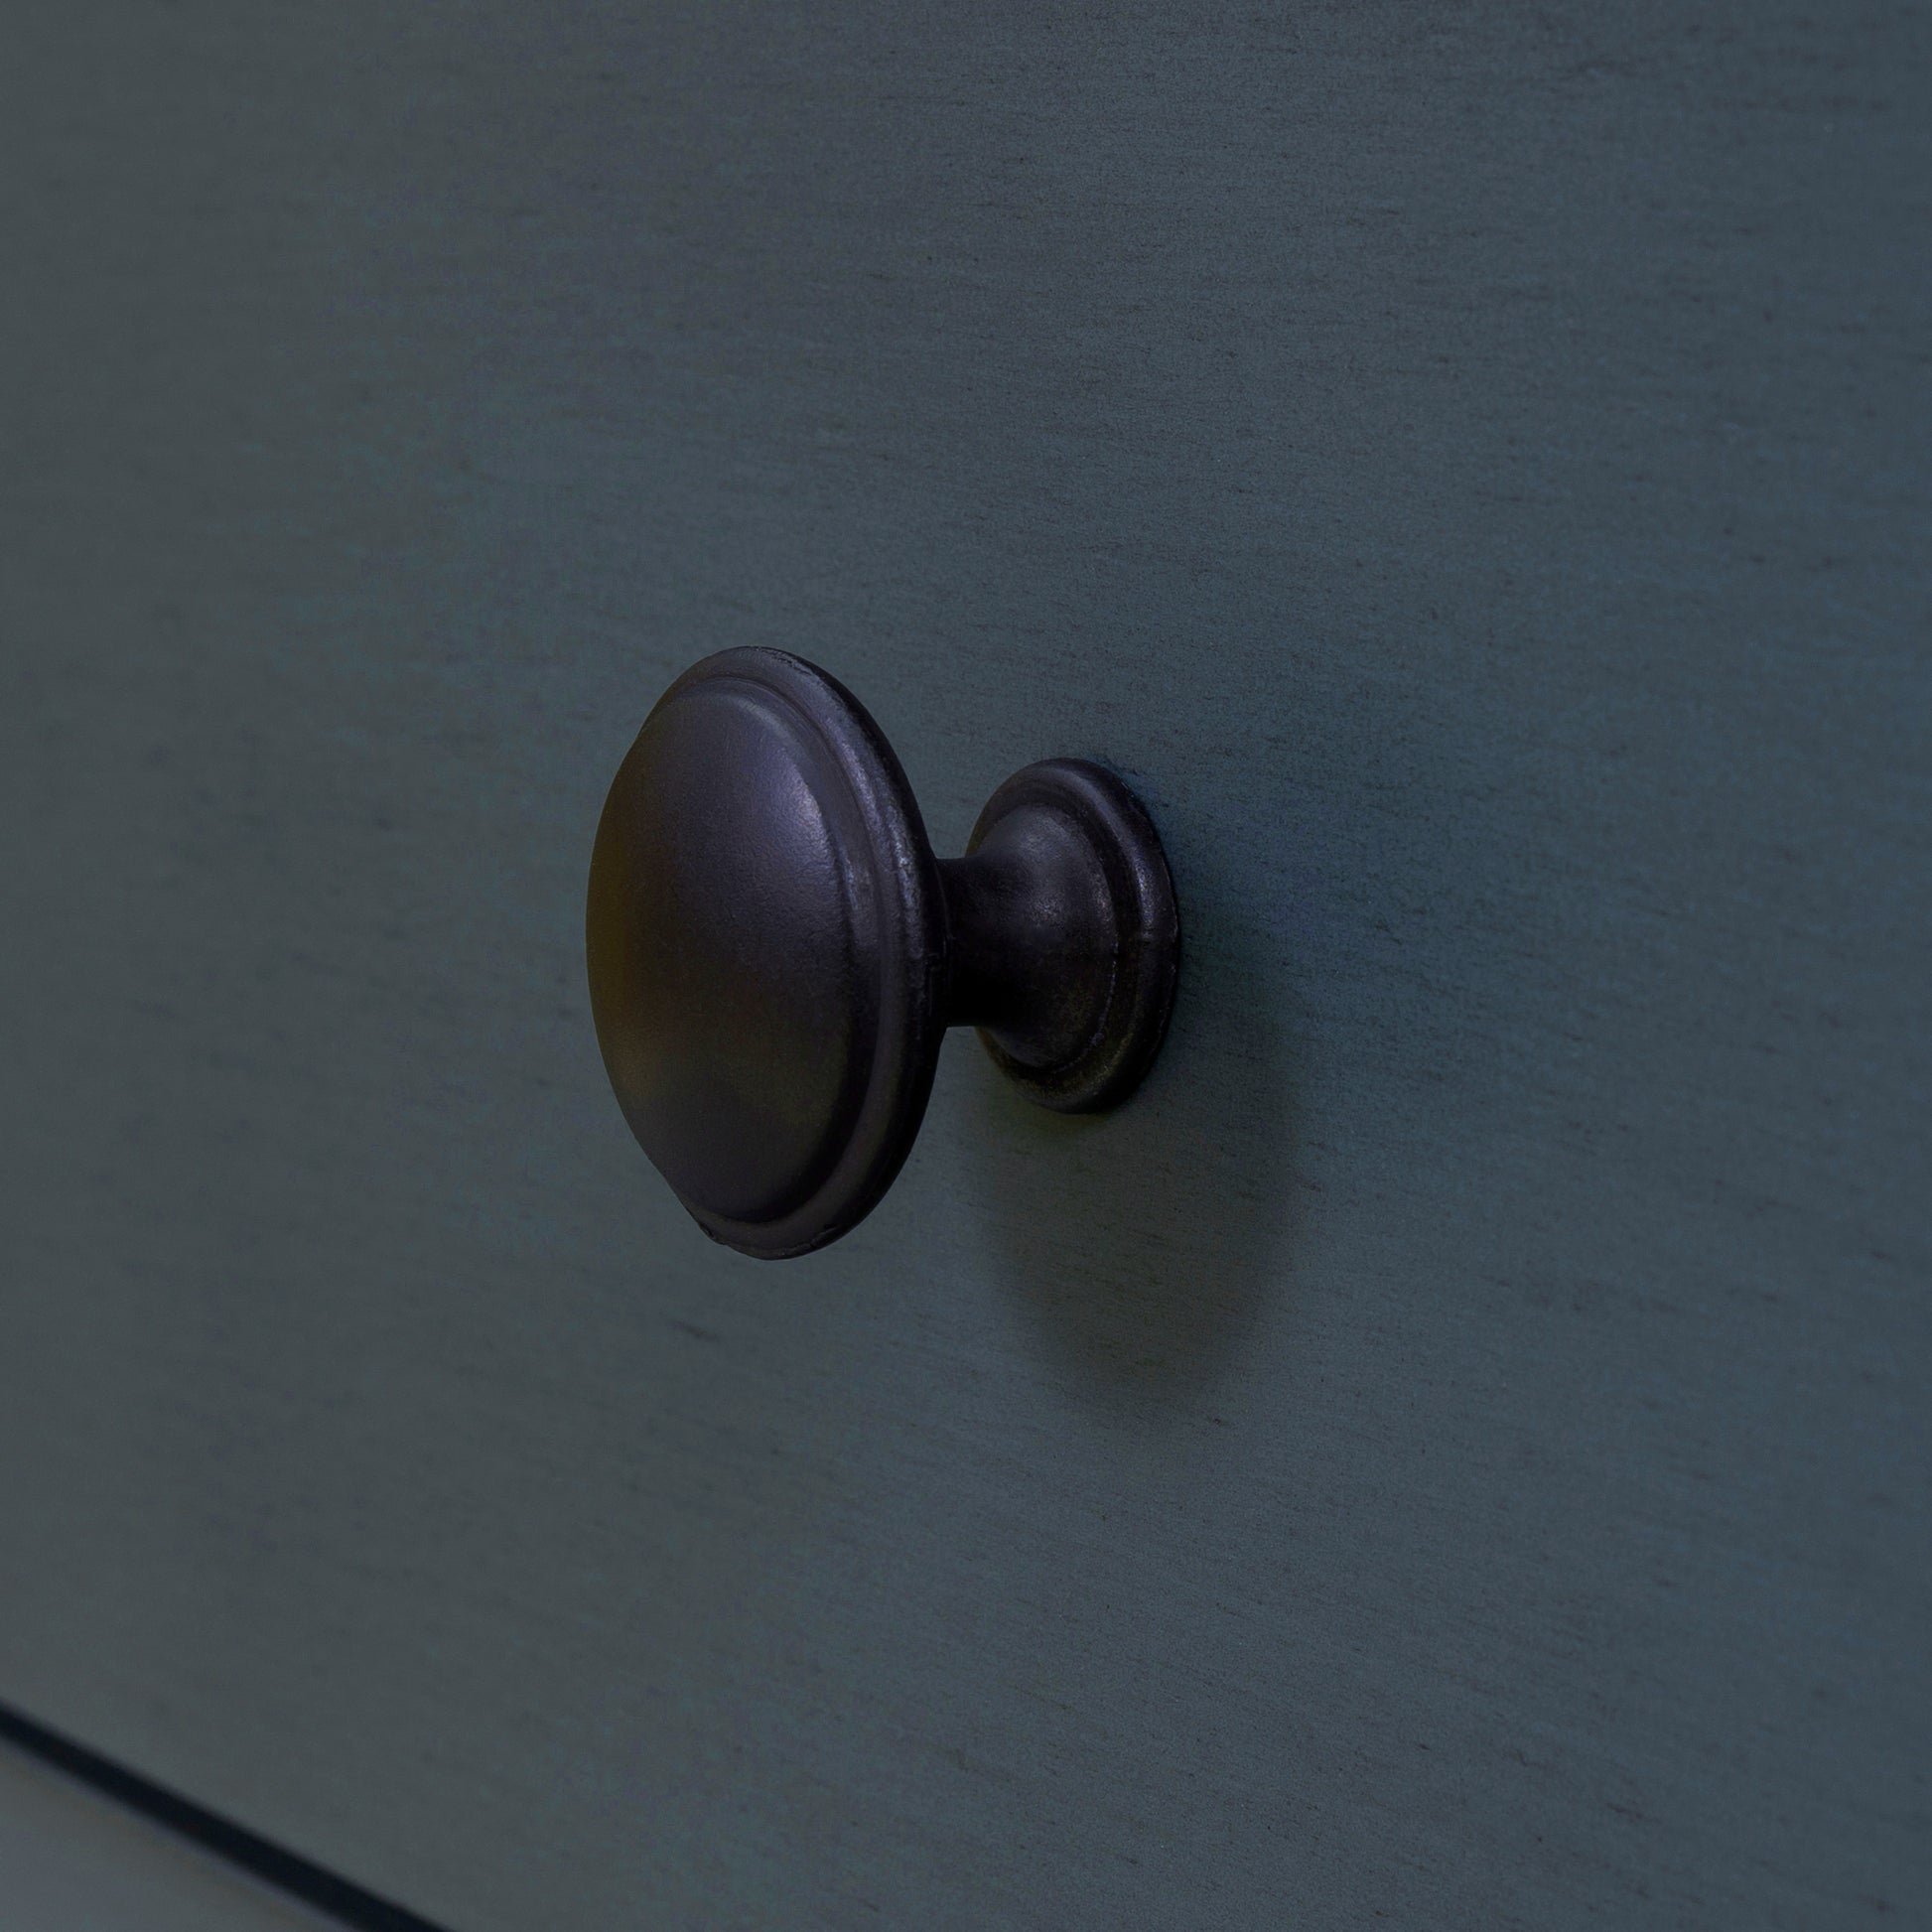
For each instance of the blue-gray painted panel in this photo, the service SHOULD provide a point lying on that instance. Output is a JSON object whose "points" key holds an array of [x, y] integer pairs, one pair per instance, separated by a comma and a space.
{"points": [[1454, 1451]]}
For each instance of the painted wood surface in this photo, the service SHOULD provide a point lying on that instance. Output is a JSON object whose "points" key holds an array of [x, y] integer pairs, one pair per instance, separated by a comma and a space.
{"points": [[1453, 1452], [70, 1862]]}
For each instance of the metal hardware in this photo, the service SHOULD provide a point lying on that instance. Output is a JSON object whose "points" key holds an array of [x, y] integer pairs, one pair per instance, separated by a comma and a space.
{"points": [[776, 953]]}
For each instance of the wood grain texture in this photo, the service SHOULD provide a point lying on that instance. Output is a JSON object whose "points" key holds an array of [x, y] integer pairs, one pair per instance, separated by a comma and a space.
{"points": [[1453, 1452]]}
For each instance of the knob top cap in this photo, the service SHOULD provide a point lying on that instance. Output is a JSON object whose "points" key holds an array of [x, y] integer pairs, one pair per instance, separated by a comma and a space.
{"points": [[767, 948]]}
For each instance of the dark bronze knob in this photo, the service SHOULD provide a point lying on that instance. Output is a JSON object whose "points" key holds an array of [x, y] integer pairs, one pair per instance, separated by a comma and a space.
{"points": [[776, 954]]}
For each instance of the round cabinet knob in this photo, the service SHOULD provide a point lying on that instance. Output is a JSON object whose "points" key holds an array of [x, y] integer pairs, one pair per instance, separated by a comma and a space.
{"points": [[776, 954]]}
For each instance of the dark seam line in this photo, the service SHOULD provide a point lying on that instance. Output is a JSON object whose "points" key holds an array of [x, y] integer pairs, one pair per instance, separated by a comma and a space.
{"points": [[287, 1870]]}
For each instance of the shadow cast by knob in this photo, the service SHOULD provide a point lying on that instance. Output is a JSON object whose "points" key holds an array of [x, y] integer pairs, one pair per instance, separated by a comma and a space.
{"points": [[1141, 1245]]}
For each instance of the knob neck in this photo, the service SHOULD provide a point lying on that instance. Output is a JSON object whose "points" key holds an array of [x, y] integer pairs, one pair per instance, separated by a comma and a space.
{"points": [[1063, 936]]}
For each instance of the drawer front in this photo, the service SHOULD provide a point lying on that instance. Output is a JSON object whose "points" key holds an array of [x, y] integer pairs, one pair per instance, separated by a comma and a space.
{"points": [[1451, 1449], [72, 1861]]}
